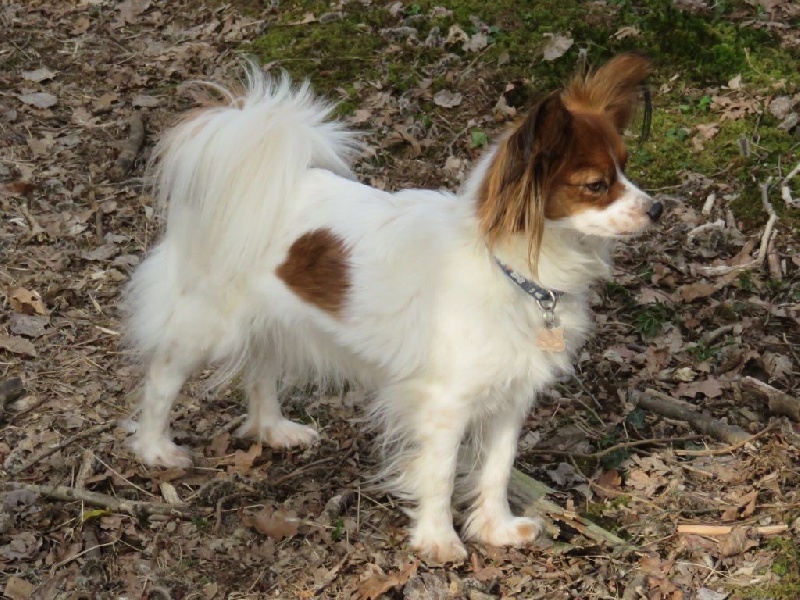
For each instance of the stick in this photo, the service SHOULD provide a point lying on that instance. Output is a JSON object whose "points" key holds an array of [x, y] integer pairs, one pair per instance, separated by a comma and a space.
{"points": [[529, 495], [614, 448], [726, 449], [668, 406], [117, 505], [780, 403], [41, 455], [714, 530], [10, 390], [131, 148]]}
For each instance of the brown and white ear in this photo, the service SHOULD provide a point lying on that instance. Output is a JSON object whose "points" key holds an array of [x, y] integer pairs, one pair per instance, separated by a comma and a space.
{"points": [[516, 184], [614, 88]]}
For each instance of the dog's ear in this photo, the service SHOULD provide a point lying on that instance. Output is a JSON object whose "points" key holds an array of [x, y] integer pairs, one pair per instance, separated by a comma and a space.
{"points": [[614, 88], [518, 180]]}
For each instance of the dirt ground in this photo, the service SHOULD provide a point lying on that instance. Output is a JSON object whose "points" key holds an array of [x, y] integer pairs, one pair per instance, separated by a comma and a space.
{"points": [[688, 315]]}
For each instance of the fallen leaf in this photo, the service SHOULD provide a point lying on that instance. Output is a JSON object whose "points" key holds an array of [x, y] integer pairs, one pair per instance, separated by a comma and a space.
{"points": [[244, 460], [17, 345], [39, 99], [708, 594], [781, 106], [447, 99], [556, 46], [307, 18], [273, 523], [693, 291], [736, 542], [18, 589], [38, 75], [143, 101], [31, 326], [476, 43], [710, 388], [378, 584]]}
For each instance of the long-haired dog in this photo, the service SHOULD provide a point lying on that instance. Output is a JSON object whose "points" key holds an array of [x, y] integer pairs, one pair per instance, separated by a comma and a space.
{"points": [[454, 309]]}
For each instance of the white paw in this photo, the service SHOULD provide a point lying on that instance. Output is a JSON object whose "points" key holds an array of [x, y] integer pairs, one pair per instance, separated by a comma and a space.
{"points": [[505, 531], [438, 548], [162, 452], [282, 434]]}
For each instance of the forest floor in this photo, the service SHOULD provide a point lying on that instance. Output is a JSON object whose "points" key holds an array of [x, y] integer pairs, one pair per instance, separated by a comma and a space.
{"points": [[697, 309]]}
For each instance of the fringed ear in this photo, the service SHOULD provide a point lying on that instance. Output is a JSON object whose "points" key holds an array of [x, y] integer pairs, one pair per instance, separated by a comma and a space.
{"points": [[614, 89], [518, 180]]}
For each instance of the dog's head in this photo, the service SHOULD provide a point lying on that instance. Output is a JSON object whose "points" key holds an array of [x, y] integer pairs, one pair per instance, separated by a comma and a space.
{"points": [[565, 162]]}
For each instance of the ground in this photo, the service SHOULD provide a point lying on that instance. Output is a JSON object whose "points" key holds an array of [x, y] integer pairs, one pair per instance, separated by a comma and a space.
{"points": [[695, 308]]}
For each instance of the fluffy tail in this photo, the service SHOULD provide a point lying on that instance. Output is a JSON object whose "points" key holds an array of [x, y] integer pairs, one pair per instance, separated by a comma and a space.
{"points": [[224, 173]]}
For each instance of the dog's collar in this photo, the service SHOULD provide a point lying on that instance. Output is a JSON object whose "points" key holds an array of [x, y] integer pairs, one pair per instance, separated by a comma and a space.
{"points": [[546, 299], [533, 289]]}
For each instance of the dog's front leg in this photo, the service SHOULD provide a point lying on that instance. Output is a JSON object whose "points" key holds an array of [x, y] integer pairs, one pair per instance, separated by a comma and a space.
{"points": [[439, 433], [490, 520]]}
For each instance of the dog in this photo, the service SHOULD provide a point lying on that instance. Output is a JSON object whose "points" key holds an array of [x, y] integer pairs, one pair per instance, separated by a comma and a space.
{"points": [[454, 309]]}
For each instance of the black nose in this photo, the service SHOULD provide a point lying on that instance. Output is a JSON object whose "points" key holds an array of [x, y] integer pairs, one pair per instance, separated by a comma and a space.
{"points": [[654, 212]]}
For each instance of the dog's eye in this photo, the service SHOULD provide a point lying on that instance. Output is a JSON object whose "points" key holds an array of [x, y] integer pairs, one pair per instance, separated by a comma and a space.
{"points": [[596, 186]]}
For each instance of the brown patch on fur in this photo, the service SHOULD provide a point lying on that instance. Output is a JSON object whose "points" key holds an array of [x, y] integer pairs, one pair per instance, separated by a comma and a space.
{"points": [[317, 269], [570, 141], [517, 182], [597, 156], [612, 89]]}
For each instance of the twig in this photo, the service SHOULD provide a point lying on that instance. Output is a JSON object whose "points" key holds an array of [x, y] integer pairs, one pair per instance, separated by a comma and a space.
{"points": [[41, 455], [726, 449], [10, 390], [131, 148], [662, 404], [714, 530], [780, 403], [614, 448], [762, 249], [529, 494], [118, 505]]}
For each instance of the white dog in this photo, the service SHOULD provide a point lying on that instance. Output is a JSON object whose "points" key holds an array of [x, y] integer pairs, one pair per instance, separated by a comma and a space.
{"points": [[455, 309]]}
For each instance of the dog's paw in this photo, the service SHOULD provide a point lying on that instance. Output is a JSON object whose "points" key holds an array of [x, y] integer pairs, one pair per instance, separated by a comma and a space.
{"points": [[438, 549], [509, 531], [160, 453], [282, 434]]}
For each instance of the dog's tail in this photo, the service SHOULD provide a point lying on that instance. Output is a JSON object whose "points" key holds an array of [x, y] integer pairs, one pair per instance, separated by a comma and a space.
{"points": [[225, 173]]}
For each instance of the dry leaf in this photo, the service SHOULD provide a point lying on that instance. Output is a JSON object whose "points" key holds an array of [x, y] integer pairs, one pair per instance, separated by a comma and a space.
{"points": [[38, 75], [31, 326], [556, 46], [735, 542], [27, 302], [377, 585], [17, 345], [39, 99], [447, 99], [693, 291], [307, 18], [710, 388], [244, 460], [476, 43], [18, 589], [273, 523]]}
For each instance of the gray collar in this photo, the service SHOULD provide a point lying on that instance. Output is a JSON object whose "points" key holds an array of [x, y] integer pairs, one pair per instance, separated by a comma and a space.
{"points": [[546, 299]]}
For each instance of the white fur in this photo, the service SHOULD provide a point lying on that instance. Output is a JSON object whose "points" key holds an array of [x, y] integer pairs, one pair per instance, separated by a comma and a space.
{"points": [[431, 324]]}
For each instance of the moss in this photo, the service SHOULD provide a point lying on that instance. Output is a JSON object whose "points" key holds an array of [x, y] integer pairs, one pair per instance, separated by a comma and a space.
{"points": [[786, 566], [690, 50]]}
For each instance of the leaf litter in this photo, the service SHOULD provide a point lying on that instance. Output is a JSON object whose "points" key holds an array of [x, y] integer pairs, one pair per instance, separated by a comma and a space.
{"points": [[250, 522]]}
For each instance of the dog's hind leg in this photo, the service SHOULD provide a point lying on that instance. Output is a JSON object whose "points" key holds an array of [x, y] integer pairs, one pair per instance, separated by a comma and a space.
{"points": [[265, 422], [169, 367]]}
